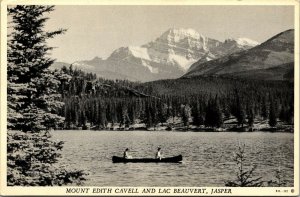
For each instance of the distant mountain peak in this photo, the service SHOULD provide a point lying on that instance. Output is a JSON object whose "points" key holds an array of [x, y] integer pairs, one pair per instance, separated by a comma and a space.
{"points": [[97, 58], [182, 33], [243, 41]]}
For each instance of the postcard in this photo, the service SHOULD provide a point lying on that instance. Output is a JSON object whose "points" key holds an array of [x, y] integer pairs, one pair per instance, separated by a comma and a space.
{"points": [[150, 98]]}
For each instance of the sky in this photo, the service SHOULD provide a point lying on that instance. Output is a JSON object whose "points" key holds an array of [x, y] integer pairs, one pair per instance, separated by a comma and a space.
{"points": [[99, 30]]}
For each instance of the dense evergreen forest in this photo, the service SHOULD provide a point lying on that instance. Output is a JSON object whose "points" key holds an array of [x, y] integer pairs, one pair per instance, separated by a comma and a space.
{"points": [[204, 102]]}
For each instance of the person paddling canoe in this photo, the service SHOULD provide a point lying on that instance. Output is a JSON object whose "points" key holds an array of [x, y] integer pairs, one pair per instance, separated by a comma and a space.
{"points": [[126, 154], [158, 154]]}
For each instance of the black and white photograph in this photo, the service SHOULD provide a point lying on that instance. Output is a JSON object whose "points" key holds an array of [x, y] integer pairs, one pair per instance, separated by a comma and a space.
{"points": [[159, 98]]}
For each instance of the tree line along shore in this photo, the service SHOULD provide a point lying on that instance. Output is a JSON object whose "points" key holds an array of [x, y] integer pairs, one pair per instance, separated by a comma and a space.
{"points": [[203, 104]]}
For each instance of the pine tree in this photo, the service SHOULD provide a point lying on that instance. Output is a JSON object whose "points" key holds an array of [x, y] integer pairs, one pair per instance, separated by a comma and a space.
{"points": [[209, 114], [132, 113], [240, 112], [218, 113], [245, 174], [186, 115], [33, 102], [162, 112], [250, 116], [148, 117], [28, 74], [154, 112], [272, 115], [196, 114], [264, 110], [213, 114]]}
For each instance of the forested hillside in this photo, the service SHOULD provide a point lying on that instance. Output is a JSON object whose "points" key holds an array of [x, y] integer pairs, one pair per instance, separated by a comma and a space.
{"points": [[204, 102]]}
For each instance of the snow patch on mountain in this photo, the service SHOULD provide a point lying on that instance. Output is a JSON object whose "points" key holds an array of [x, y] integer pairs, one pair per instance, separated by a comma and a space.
{"points": [[245, 42], [139, 52], [151, 69], [183, 62], [208, 58]]}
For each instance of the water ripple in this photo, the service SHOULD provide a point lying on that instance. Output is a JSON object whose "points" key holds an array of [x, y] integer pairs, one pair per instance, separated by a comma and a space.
{"points": [[207, 157]]}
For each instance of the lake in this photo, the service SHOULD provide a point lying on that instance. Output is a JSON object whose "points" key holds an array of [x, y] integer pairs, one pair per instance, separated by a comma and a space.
{"points": [[207, 156]]}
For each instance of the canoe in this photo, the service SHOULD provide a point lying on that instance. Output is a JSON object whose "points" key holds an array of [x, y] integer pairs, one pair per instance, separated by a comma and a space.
{"points": [[175, 159]]}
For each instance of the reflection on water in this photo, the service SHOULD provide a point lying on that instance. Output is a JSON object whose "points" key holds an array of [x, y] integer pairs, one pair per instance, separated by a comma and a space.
{"points": [[207, 156]]}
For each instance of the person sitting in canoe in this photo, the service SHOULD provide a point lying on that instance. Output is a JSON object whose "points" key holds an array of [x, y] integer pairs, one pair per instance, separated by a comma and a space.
{"points": [[126, 155], [158, 154]]}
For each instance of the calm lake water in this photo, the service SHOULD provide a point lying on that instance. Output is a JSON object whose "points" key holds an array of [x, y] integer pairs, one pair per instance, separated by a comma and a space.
{"points": [[207, 156]]}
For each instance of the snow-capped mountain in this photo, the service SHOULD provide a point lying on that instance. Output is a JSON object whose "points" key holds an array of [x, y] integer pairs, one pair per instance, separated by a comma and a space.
{"points": [[169, 56], [246, 42]]}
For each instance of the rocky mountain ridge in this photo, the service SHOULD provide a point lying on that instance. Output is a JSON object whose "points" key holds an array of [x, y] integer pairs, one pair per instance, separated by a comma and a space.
{"points": [[264, 61]]}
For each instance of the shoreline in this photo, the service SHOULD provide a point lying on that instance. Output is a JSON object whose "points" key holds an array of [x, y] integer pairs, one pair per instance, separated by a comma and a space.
{"points": [[200, 130], [229, 125]]}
